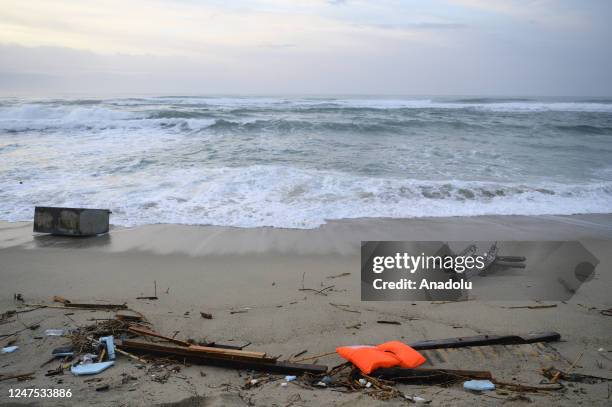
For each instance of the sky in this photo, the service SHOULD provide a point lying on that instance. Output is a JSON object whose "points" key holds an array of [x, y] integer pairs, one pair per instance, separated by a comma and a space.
{"points": [[393, 47]]}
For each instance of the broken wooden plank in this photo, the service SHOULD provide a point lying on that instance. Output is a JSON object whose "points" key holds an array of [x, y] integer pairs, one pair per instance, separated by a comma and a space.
{"points": [[228, 352], [486, 340], [182, 353], [429, 376]]}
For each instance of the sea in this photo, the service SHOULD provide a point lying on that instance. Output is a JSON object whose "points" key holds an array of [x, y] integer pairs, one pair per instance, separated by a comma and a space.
{"points": [[300, 161]]}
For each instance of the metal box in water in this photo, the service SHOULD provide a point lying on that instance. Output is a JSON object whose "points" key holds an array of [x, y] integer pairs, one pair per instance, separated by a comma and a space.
{"points": [[71, 221]]}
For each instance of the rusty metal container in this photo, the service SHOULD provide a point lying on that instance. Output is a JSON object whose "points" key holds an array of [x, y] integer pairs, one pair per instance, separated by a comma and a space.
{"points": [[71, 221]]}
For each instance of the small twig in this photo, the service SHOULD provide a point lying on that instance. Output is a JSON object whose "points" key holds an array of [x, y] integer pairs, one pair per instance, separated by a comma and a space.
{"points": [[315, 357], [341, 306]]}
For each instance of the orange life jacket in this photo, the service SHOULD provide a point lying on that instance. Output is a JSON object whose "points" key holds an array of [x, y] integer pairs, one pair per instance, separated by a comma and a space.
{"points": [[388, 354]]}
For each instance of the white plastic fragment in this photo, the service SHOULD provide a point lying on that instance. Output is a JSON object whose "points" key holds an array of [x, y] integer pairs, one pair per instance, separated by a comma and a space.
{"points": [[362, 382], [290, 378], [54, 332], [283, 384], [479, 385], [9, 349]]}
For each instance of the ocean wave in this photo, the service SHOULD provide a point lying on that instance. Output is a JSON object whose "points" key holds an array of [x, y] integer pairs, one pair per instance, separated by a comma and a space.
{"points": [[291, 197]]}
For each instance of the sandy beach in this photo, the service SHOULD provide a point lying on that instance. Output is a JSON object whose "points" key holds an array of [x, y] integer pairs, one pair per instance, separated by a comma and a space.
{"points": [[260, 270]]}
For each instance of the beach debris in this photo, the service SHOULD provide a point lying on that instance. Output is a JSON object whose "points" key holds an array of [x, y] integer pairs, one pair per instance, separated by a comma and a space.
{"points": [[339, 275], [221, 357], [54, 332], [9, 349], [321, 291], [606, 312], [389, 354], [90, 368], [429, 376], [70, 304], [240, 311], [557, 375], [328, 380], [104, 387], [540, 306], [552, 372], [18, 297], [388, 322], [290, 378], [344, 307], [129, 315], [300, 353], [486, 340], [55, 372], [7, 315], [18, 376], [206, 315], [152, 297], [479, 385], [416, 399], [147, 332], [71, 221], [110, 346], [63, 351]]}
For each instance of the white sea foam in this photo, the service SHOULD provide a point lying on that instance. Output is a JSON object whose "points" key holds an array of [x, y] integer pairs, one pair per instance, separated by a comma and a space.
{"points": [[289, 197]]}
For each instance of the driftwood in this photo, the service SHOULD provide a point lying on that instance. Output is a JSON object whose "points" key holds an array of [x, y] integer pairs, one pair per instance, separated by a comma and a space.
{"points": [[428, 376]]}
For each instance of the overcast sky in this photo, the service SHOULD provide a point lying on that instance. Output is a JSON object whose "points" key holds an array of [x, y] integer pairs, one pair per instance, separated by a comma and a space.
{"points": [[444, 47]]}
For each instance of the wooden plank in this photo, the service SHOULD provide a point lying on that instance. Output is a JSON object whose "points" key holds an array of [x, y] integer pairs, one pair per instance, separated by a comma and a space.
{"points": [[182, 353], [201, 351], [486, 340], [228, 352], [429, 376]]}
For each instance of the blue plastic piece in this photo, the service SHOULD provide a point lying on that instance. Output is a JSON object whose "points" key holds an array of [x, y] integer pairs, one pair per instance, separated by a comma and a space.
{"points": [[10, 349], [91, 368], [479, 385], [110, 346]]}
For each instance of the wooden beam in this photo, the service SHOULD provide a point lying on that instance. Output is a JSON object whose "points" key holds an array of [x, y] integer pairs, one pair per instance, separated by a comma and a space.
{"points": [[486, 340], [196, 357]]}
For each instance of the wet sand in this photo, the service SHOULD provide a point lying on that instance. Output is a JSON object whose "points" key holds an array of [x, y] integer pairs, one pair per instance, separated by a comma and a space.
{"points": [[219, 269]]}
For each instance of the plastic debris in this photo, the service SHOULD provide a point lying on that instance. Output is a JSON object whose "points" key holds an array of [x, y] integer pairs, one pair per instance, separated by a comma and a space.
{"points": [[320, 384], [416, 399], [327, 380], [10, 349], [54, 332], [362, 382], [284, 384], [110, 346], [479, 385], [368, 385], [254, 382], [90, 368], [63, 351], [290, 378]]}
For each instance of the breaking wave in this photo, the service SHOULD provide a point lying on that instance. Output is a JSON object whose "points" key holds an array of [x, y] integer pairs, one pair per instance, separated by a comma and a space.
{"points": [[297, 162]]}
